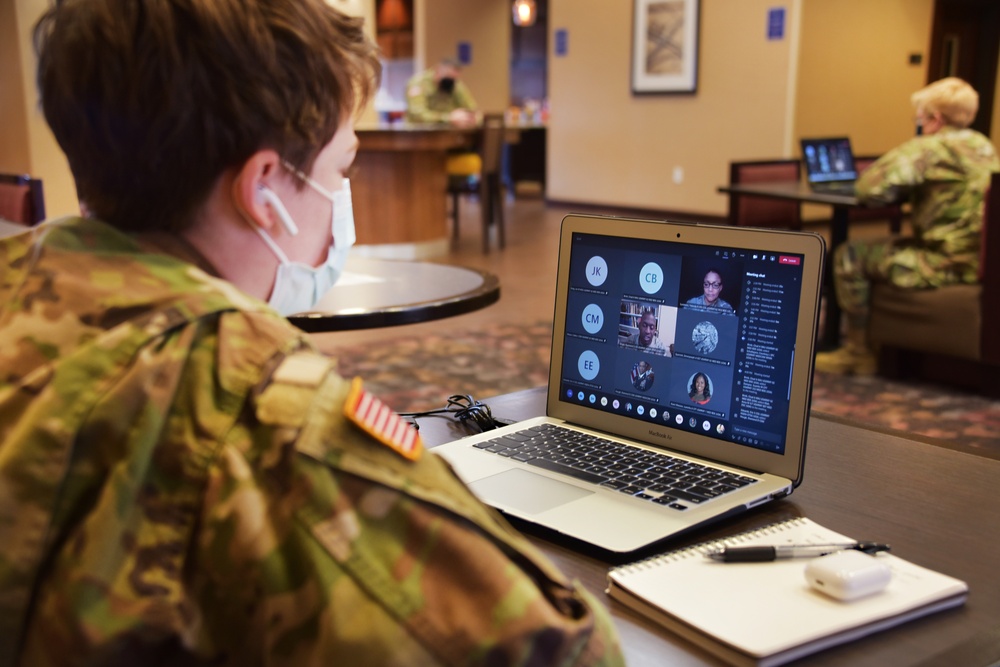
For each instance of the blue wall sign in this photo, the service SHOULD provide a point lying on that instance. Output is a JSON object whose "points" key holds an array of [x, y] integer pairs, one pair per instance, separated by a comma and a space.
{"points": [[562, 42], [464, 53], [776, 23]]}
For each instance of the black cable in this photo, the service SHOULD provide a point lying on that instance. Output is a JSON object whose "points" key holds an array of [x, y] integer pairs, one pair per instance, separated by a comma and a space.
{"points": [[462, 407]]}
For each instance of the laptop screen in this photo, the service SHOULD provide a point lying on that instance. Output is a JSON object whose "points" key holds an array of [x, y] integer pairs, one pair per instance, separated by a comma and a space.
{"points": [[828, 160], [686, 337]]}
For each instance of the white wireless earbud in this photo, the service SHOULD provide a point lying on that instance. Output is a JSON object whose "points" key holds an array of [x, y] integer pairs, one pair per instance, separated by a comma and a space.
{"points": [[267, 195]]}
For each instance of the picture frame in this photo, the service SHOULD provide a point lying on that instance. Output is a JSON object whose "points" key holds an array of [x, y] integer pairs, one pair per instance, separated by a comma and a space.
{"points": [[665, 46]]}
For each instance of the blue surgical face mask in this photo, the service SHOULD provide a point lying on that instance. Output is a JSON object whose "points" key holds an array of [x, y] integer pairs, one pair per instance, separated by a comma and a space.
{"points": [[299, 287]]}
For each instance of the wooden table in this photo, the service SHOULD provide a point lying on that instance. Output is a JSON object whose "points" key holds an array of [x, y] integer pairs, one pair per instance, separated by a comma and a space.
{"points": [[400, 185], [936, 506], [801, 192], [380, 293]]}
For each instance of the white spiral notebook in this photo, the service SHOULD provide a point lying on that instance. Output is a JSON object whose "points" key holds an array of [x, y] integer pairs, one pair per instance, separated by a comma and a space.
{"points": [[765, 613]]}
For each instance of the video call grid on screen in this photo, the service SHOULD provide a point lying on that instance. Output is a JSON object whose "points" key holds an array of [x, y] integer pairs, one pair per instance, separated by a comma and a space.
{"points": [[830, 160], [722, 371]]}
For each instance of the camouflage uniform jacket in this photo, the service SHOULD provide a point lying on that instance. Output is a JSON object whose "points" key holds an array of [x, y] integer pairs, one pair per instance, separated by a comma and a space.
{"points": [[426, 104], [946, 175], [720, 306], [179, 485]]}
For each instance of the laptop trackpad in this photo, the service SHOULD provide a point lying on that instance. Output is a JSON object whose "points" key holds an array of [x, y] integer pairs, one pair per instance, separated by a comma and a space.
{"points": [[526, 491]]}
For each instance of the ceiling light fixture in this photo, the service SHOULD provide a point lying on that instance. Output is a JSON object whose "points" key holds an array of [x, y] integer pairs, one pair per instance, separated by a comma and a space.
{"points": [[524, 12], [392, 15]]}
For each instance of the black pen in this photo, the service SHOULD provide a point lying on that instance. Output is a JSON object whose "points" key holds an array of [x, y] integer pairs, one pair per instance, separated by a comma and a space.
{"points": [[763, 554]]}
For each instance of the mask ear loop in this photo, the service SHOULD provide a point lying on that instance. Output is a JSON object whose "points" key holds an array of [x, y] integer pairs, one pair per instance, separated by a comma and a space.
{"points": [[306, 178], [344, 235], [279, 209]]}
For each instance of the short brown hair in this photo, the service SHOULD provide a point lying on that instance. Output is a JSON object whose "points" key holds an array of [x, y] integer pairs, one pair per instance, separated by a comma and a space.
{"points": [[152, 101]]}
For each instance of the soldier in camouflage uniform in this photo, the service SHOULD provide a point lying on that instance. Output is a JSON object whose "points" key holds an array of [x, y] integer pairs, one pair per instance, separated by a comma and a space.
{"points": [[438, 95], [184, 479], [945, 172]]}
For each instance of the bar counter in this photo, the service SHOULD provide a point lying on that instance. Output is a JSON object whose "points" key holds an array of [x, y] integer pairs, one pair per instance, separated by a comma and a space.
{"points": [[399, 190]]}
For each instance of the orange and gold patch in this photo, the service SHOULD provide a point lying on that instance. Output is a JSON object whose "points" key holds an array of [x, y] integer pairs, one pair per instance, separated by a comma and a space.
{"points": [[381, 422]]}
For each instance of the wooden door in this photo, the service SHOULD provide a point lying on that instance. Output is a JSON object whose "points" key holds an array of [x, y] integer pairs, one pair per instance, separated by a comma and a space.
{"points": [[965, 42]]}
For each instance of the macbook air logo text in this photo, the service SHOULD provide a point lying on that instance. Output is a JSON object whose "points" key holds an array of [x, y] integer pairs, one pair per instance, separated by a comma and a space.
{"points": [[660, 434]]}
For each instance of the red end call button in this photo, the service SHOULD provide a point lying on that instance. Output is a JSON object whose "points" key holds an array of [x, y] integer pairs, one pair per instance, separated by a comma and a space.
{"points": [[785, 259]]}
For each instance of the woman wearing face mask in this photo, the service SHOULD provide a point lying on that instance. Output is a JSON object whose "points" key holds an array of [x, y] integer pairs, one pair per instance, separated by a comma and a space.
{"points": [[438, 95], [298, 287], [185, 479]]}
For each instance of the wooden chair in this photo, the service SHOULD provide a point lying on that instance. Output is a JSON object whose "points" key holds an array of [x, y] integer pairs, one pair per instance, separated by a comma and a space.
{"points": [[893, 213], [487, 184], [21, 199], [760, 211], [950, 334]]}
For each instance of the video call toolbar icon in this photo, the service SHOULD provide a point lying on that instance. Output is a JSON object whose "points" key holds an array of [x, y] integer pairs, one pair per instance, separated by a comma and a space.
{"points": [[653, 412]]}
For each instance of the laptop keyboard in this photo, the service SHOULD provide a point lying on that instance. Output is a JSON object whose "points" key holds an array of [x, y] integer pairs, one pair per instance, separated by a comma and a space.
{"points": [[659, 478]]}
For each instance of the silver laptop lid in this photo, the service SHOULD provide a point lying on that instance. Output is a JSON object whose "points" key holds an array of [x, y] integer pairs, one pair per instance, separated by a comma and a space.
{"points": [[828, 160], [696, 338]]}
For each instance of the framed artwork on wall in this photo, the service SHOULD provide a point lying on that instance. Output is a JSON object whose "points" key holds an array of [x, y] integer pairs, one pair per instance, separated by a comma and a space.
{"points": [[665, 46]]}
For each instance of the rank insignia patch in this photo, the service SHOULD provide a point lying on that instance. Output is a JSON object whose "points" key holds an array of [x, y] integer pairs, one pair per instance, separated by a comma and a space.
{"points": [[378, 420]]}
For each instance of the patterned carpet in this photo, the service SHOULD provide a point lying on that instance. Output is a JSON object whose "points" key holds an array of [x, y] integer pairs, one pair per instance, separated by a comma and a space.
{"points": [[420, 373]]}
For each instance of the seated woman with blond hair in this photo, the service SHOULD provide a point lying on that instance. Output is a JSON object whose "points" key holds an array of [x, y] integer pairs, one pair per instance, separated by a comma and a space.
{"points": [[944, 171]]}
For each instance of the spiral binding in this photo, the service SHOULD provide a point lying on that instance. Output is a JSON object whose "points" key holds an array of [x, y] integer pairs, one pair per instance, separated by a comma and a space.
{"points": [[704, 547]]}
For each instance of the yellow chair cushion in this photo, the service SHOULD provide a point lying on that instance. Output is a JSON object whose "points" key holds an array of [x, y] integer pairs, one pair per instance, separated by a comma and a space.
{"points": [[464, 164]]}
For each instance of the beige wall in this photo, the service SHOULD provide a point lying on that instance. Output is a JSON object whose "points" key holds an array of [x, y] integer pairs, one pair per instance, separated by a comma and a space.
{"points": [[841, 69], [14, 153], [37, 152], [854, 77], [366, 10], [607, 146], [486, 25]]}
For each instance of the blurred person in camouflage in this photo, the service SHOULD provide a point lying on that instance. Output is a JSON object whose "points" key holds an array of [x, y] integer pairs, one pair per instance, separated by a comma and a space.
{"points": [[184, 479], [438, 95], [944, 171]]}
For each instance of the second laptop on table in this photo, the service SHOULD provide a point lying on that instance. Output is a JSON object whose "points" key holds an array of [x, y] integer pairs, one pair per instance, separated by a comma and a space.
{"points": [[829, 164]]}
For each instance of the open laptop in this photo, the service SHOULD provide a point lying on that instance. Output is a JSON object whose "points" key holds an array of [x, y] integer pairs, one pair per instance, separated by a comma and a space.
{"points": [[829, 164], [684, 411]]}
